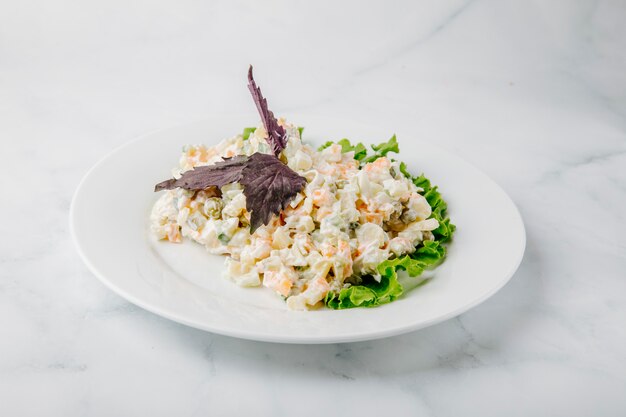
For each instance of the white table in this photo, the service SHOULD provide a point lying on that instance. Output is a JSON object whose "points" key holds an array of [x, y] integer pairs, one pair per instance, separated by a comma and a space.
{"points": [[532, 93]]}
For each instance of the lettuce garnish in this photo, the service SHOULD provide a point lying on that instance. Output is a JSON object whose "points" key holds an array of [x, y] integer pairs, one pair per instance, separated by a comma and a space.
{"points": [[247, 131], [360, 151]]}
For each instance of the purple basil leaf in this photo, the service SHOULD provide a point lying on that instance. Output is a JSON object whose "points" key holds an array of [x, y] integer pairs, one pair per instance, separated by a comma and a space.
{"points": [[269, 185], [277, 137], [203, 177]]}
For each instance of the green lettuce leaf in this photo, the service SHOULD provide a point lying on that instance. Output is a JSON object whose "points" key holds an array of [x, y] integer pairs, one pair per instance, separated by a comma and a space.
{"points": [[360, 151], [355, 296], [446, 229], [421, 182], [404, 170], [247, 131], [444, 232], [382, 149], [390, 146], [368, 294]]}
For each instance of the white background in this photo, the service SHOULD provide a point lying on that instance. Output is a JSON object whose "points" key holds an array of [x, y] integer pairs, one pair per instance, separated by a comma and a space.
{"points": [[533, 93]]}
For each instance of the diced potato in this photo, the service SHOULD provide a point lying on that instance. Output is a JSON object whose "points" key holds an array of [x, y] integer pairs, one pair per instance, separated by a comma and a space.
{"points": [[369, 233]]}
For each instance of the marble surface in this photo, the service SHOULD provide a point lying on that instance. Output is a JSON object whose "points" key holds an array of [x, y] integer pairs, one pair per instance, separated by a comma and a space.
{"points": [[533, 93]]}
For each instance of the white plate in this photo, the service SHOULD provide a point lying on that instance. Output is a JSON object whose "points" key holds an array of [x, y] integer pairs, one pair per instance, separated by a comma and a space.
{"points": [[109, 222]]}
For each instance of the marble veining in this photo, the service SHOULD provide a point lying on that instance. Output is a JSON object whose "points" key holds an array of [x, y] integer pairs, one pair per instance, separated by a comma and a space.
{"points": [[533, 93]]}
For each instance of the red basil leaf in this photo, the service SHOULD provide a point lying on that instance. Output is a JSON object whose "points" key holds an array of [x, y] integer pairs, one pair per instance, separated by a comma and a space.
{"points": [[269, 185], [203, 177], [277, 137]]}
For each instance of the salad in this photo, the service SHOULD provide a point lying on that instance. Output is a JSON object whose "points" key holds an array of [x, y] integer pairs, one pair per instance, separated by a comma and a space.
{"points": [[319, 226]]}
